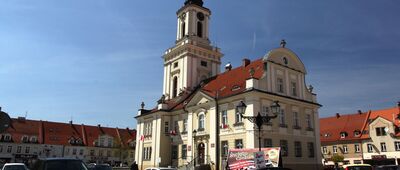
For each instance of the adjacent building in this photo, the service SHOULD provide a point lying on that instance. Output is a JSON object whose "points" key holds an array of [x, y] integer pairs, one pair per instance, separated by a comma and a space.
{"points": [[364, 137], [195, 122], [27, 140]]}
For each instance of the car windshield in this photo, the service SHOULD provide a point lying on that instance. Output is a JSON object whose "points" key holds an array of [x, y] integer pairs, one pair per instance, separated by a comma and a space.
{"points": [[14, 167], [102, 167], [65, 165], [359, 168]]}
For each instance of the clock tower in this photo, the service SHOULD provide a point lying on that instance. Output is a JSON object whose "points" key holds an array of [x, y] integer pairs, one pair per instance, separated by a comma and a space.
{"points": [[192, 58]]}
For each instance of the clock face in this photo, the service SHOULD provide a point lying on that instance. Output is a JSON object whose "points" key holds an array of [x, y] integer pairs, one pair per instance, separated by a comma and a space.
{"points": [[200, 16]]}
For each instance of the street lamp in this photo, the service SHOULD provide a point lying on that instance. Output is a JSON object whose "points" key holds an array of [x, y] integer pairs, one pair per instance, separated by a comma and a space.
{"points": [[259, 120]]}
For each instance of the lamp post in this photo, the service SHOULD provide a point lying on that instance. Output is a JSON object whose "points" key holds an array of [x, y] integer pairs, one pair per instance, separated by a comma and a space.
{"points": [[259, 120]]}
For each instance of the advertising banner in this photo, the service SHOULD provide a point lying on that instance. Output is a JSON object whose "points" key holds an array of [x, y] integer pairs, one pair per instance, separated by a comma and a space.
{"points": [[242, 159]]}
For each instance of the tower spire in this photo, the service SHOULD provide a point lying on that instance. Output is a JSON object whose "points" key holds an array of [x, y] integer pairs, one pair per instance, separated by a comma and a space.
{"points": [[195, 2]]}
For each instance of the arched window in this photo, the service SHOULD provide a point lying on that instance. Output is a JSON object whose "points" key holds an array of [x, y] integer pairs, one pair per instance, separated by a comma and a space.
{"points": [[201, 122], [183, 29], [175, 87], [199, 29]]}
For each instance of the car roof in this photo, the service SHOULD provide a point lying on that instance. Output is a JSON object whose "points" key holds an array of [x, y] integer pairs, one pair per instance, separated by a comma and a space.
{"points": [[349, 165], [14, 164], [57, 159]]}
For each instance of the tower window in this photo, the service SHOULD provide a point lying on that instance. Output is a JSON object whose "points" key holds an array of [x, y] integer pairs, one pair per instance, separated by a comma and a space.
{"points": [[175, 87], [183, 29], [199, 29], [203, 63], [175, 64]]}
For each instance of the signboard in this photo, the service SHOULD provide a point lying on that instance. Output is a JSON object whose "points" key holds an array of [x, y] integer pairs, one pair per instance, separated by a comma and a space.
{"points": [[378, 157], [246, 158], [259, 159]]}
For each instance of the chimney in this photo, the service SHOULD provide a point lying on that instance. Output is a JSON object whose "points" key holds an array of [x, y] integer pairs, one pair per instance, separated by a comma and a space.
{"points": [[0, 108], [84, 136], [228, 67], [70, 122], [359, 112], [337, 115], [398, 105], [246, 62]]}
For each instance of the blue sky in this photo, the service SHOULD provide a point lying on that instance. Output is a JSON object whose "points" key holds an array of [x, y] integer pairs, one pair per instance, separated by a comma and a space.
{"points": [[96, 60]]}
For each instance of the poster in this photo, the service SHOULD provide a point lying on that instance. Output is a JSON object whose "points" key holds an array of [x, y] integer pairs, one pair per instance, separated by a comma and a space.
{"points": [[243, 159]]}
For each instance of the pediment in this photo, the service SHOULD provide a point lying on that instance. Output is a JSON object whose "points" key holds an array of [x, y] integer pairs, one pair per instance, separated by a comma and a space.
{"points": [[199, 99]]}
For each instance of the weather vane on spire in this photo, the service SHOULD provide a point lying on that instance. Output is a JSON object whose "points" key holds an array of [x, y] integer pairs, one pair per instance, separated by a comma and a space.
{"points": [[283, 43]]}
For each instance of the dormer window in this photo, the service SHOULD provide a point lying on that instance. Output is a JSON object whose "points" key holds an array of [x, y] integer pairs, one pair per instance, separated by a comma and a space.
{"points": [[24, 139], [7, 137], [357, 133], [343, 135], [78, 141], [326, 135], [33, 139], [71, 141]]}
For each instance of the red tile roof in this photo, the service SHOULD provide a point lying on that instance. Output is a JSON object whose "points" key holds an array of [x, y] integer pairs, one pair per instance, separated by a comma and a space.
{"points": [[331, 127], [227, 83], [56, 133]]}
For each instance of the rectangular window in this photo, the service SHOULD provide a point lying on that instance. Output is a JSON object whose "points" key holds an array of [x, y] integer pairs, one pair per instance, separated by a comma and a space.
{"points": [[284, 147], [380, 131], [224, 149], [370, 148], [357, 148], [383, 147], [308, 120], [1, 148], [279, 85], [184, 125], [294, 89], [176, 126], [397, 146], [238, 118], [282, 121], [324, 150], [310, 147], [345, 149], [81, 152], [296, 120], [92, 152], [9, 149], [184, 151], [108, 153], [166, 128], [204, 63], [297, 149], [74, 151], [109, 142], [238, 143], [267, 143], [175, 64], [334, 148], [224, 118], [27, 149], [147, 153], [174, 152], [19, 149]]}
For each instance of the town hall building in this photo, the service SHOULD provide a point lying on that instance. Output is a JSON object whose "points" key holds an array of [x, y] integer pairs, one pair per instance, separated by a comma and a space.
{"points": [[195, 122]]}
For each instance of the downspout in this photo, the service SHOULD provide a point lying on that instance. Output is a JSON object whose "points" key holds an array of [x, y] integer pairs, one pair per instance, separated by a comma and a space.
{"points": [[217, 145]]}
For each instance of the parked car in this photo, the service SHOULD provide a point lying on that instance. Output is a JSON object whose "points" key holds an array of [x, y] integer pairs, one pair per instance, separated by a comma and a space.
{"points": [[274, 168], [100, 167], [14, 166], [357, 167], [59, 164], [161, 168], [387, 167]]}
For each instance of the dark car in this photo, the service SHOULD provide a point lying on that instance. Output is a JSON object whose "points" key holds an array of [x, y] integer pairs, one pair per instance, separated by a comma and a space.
{"points": [[101, 167], [274, 168], [59, 164], [387, 167]]}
